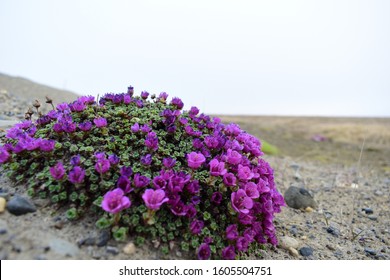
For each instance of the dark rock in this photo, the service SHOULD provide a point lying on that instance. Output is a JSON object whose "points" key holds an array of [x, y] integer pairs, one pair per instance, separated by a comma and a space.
{"points": [[19, 206], [89, 241], [3, 227], [103, 238], [370, 252], [373, 218], [293, 230], [299, 198], [368, 211], [112, 250], [306, 251], [333, 231], [4, 195]]}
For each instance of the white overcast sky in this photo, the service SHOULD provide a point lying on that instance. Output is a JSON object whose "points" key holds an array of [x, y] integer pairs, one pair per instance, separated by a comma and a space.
{"points": [[292, 57]]}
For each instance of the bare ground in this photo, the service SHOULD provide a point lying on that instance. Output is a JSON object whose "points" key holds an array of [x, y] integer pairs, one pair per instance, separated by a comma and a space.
{"points": [[344, 187]]}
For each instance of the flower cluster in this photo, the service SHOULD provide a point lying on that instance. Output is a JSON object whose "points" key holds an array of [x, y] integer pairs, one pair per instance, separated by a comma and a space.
{"points": [[151, 169]]}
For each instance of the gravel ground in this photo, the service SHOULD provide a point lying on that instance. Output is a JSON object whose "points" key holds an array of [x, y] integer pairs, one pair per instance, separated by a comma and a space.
{"points": [[350, 218]]}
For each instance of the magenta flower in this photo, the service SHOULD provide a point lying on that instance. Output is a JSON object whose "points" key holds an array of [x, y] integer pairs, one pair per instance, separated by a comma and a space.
{"points": [[196, 226], [193, 111], [102, 166], [100, 122], [229, 179], [217, 168], [216, 198], [195, 160], [179, 209], [229, 253], [151, 141], [113, 159], [76, 175], [204, 251], [169, 162], [47, 145], [126, 171], [135, 128], [159, 182], [251, 190], [144, 95], [245, 173], [124, 184], [85, 126], [4, 155], [242, 244], [231, 232], [114, 201], [177, 102], [141, 181], [75, 160], [146, 159], [154, 198], [57, 171], [241, 202], [233, 157]]}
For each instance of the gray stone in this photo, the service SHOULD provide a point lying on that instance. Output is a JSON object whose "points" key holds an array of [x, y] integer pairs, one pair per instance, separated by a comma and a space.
{"points": [[306, 251], [299, 198], [63, 247], [370, 252], [3, 227], [112, 250], [19, 205], [333, 231], [368, 211], [103, 238]]}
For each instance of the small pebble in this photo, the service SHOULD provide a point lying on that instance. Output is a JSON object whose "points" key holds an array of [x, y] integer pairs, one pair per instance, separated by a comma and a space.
{"points": [[299, 198], [309, 209], [3, 202], [293, 230], [287, 242], [293, 252], [129, 249], [19, 206], [333, 231], [103, 238], [373, 218], [112, 250], [370, 251], [89, 241], [368, 211], [4, 195], [306, 251], [330, 247]]}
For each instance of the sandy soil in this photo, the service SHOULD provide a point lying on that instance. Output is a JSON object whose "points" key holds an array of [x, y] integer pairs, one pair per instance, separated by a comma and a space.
{"points": [[352, 220]]}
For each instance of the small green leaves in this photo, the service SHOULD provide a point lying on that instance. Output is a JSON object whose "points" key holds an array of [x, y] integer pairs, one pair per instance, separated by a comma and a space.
{"points": [[120, 234], [72, 214], [103, 223]]}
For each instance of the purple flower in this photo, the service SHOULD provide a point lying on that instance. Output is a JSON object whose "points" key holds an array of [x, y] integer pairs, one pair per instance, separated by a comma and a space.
{"points": [[169, 162], [196, 226], [113, 159], [47, 145], [4, 155], [85, 126], [204, 251], [57, 171], [229, 179], [124, 184], [217, 168], [126, 171], [211, 142], [141, 181], [245, 173], [62, 107], [195, 160], [159, 182], [231, 232], [163, 96], [114, 201], [232, 129], [75, 160], [102, 166], [242, 244], [246, 218], [251, 190], [241, 202], [216, 198], [77, 106], [76, 175], [126, 99], [179, 209], [229, 253], [57, 127], [146, 159], [145, 128], [100, 122], [144, 95], [69, 127], [135, 128], [151, 141], [191, 211], [100, 155], [193, 111], [193, 187], [154, 198], [233, 157], [177, 103]]}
